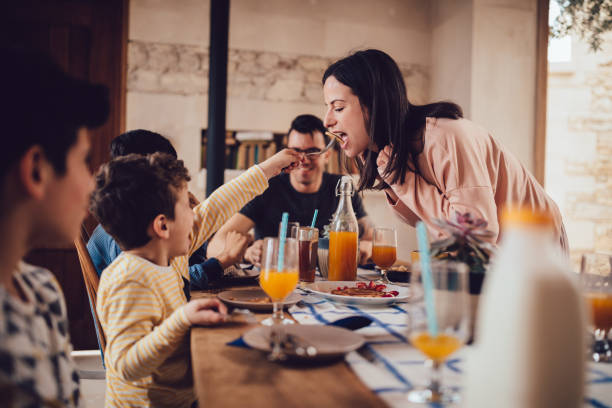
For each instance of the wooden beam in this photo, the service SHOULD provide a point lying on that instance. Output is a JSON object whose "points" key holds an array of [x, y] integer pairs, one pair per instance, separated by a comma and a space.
{"points": [[217, 94], [541, 90]]}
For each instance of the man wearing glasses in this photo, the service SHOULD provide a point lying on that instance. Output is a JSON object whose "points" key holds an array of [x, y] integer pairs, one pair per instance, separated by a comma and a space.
{"points": [[298, 193]]}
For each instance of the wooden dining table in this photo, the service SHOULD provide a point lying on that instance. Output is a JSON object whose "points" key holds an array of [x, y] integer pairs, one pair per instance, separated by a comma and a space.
{"points": [[228, 376]]}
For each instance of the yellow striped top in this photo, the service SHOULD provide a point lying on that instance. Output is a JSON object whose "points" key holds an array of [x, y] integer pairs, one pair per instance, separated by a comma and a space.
{"points": [[140, 308]]}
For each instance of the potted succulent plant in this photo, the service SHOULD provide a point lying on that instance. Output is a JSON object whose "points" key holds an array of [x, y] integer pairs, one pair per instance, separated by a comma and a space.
{"points": [[466, 242]]}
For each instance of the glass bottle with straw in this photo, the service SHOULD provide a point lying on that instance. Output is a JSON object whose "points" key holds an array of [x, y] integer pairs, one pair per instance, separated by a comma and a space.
{"points": [[439, 325], [278, 278]]}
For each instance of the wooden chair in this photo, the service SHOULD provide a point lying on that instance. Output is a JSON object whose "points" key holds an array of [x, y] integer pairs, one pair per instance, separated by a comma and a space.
{"points": [[90, 276]]}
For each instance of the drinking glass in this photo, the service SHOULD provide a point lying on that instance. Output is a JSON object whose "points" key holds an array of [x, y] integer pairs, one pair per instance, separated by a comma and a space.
{"points": [[292, 229], [596, 279], [452, 314], [278, 283], [384, 249], [308, 239]]}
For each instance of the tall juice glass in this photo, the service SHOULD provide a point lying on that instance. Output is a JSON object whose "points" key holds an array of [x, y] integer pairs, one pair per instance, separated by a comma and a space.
{"points": [[596, 279], [452, 315], [343, 235], [278, 284]]}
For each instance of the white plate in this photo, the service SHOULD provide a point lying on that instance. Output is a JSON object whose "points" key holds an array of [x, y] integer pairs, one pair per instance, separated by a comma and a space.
{"points": [[247, 299], [324, 288], [330, 341]]}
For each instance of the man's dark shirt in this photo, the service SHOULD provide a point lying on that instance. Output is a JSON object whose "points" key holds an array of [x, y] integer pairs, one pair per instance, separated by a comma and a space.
{"points": [[266, 210]]}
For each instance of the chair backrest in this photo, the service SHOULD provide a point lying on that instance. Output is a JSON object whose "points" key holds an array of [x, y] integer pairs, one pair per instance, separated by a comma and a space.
{"points": [[90, 276]]}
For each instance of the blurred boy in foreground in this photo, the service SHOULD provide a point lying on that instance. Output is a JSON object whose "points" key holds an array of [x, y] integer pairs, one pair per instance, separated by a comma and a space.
{"points": [[45, 184]]}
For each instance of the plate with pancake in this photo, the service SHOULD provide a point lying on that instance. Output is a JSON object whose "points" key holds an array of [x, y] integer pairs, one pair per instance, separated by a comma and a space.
{"points": [[359, 292], [253, 299]]}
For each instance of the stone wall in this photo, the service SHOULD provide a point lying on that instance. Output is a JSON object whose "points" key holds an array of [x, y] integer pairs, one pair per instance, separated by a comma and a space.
{"points": [[579, 147], [259, 75]]}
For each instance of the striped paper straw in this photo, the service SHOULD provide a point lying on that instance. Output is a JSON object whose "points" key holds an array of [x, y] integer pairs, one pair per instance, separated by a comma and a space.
{"points": [[281, 242], [430, 306], [314, 218]]}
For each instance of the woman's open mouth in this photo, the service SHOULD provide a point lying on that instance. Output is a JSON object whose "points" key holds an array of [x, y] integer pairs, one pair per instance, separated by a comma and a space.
{"points": [[344, 138]]}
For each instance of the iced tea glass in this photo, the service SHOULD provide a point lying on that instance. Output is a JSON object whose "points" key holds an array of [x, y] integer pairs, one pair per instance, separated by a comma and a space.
{"points": [[278, 283], [452, 314], [384, 249], [308, 239], [596, 279]]}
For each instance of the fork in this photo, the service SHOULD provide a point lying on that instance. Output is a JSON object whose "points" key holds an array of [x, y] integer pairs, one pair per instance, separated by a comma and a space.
{"points": [[334, 138], [300, 346]]}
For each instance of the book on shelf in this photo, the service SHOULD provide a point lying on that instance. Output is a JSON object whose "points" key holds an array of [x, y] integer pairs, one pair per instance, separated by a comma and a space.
{"points": [[243, 149]]}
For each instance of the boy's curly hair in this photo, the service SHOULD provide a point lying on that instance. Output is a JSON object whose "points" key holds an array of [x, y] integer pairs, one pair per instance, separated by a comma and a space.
{"points": [[132, 190]]}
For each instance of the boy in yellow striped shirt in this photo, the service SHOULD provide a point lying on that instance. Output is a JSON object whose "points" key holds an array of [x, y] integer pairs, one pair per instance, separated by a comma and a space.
{"points": [[143, 203]]}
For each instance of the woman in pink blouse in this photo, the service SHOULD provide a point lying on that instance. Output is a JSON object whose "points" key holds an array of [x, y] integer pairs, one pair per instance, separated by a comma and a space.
{"points": [[430, 161]]}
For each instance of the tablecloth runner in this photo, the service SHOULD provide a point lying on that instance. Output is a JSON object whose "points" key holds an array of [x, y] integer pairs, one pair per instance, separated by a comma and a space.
{"points": [[393, 366]]}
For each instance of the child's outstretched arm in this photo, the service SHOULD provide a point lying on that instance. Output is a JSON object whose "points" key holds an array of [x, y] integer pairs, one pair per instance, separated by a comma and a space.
{"points": [[225, 201]]}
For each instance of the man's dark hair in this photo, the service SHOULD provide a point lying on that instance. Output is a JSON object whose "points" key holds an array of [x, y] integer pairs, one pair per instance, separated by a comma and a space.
{"points": [[140, 141], [45, 107], [132, 190], [308, 124]]}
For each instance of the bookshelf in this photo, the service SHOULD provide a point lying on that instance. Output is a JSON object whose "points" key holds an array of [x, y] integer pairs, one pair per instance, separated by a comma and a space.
{"points": [[243, 149]]}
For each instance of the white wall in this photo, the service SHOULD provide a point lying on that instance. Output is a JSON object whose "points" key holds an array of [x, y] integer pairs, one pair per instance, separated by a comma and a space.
{"points": [[504, 72], [484, 58], [451, 47]]}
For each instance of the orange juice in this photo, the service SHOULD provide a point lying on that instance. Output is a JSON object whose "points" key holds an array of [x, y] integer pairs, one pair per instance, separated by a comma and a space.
{"points": [[437, 348], [342, 256], [278, 285], [601, 309], [384, 256]]}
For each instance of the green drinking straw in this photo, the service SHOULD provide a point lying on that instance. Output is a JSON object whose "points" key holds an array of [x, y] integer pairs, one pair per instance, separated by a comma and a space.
{"points": [[314, 218], [281, 241], [430, 306]]}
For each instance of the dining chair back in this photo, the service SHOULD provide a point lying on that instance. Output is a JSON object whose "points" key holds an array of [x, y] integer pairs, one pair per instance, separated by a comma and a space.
{"points": [[90, 276]]}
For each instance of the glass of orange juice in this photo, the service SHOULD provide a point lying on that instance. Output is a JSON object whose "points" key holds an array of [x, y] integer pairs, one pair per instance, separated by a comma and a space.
{"points": [[596, 279], [278, 281], [452, 317], [384, 249]]}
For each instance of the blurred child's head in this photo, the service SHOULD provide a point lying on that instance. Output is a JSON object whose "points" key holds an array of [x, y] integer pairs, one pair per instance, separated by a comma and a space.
{"points": [[140, 141], [44, 158], [140, 198]]}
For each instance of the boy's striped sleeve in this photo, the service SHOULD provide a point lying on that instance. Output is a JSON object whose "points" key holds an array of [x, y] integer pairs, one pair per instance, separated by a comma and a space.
{"points": [[224, 202], [138, 341]]}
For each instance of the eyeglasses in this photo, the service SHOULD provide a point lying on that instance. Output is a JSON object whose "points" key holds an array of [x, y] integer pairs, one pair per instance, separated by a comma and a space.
{"points": [[305, 151]]}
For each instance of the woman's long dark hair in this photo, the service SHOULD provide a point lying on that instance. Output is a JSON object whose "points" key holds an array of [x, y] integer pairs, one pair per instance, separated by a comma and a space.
{"points": [[377, 81]]}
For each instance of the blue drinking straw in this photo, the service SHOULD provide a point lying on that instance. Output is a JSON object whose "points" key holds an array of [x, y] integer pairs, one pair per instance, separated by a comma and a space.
{"points": [[314, 218], [430, 306], [281, 241]]}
